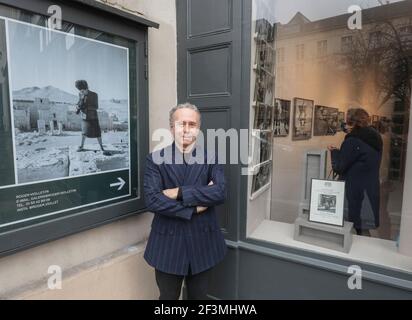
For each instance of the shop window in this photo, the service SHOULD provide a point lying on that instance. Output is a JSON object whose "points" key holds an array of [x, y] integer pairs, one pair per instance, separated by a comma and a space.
{"points": [[368, 70]]}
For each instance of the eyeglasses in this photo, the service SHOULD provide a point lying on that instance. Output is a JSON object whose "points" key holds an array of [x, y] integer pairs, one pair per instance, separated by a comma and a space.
{"points": [[182, 124]]}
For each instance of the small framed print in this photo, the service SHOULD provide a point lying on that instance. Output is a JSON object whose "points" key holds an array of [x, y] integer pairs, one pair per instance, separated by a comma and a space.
{"points": [[327, 202]]}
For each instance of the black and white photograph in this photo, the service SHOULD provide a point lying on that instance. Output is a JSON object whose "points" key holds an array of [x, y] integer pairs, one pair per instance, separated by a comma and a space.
{"points": [[327, 202], [281, 118], [260, 115], [265, 146], [265, 31], [265, 57], [263, 117], [261, 179], [70, 104], [260, 87], [326, 121], [302, 119]]}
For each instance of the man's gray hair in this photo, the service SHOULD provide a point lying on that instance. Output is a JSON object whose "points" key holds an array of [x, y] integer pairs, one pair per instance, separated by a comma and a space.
{"points": [[186, 105]]}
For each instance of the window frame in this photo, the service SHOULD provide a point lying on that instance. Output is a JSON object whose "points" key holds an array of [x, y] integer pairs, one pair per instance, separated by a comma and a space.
{"points": [[93, 15], [327, 263]]}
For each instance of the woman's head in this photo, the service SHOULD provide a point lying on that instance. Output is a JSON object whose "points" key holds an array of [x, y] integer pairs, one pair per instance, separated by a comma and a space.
{"points": [[357, 118], [81, 85]]}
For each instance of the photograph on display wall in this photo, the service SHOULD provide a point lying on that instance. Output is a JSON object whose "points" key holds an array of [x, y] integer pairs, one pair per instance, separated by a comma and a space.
{"points": [[262, 117], [263, 88], [265, 146], [265, 31], [302, 119], [265, 57], [260, 88], [281, 118], [326, 121], [70, 104], [262, 177]]}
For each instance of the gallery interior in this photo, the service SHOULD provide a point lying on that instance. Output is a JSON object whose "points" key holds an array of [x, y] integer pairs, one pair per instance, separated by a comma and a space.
{"points": [[306, 74]]}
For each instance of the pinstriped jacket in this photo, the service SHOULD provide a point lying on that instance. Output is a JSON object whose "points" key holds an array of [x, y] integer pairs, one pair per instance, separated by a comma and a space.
{"points": [[179, 235]]}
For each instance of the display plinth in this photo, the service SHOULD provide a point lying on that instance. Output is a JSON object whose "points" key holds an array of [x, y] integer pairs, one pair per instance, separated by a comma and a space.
{"points": [[327, 236]]}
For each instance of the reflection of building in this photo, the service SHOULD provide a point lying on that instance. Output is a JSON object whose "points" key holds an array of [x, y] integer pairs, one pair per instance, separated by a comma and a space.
{"points": [[337, 67], [310, 53]]}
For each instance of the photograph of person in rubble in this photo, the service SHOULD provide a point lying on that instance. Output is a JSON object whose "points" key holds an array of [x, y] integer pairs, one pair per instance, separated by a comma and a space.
{"points": [[70, 104]]}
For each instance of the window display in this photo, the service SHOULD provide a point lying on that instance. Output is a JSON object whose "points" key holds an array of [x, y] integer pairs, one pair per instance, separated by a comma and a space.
{"points": [[324, 70]]}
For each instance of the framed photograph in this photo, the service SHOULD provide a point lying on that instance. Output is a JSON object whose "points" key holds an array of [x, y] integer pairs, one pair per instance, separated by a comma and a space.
{"points": [[69, 140], [261, 86], [263, 117], [265, 57], [265, 146], [326, 121], [260, 114], [327, 202], [264, 30], [261, 179], [302, 119], [281, 118]]}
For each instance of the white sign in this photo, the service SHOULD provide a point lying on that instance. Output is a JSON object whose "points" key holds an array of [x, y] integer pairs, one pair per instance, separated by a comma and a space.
{"points": [[327, 201]]}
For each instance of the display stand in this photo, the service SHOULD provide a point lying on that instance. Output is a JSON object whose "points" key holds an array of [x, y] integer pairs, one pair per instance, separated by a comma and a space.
{"points": [[323, 235]]}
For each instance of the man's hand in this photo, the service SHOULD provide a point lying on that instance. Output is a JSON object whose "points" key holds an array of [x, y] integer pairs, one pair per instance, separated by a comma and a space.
{"points": [[200, 210], [171, 193], [203, 209], [331, 148]]}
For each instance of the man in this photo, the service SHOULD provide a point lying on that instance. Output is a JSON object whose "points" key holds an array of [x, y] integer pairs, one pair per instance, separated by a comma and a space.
{"points": [[185, 241]]}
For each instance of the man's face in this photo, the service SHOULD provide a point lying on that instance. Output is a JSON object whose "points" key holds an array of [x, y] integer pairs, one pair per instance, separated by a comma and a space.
{"points": [[185, 127]]}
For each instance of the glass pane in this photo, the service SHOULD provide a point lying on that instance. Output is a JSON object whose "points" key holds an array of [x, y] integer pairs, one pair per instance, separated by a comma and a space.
{"points": [[313, 61]]}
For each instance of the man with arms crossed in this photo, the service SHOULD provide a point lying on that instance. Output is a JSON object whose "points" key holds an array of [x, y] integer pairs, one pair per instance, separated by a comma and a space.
{"points": [[182, 186]]}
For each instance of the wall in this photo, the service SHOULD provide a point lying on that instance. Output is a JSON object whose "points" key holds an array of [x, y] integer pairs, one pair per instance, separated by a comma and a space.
{"points": [[106, 262]]}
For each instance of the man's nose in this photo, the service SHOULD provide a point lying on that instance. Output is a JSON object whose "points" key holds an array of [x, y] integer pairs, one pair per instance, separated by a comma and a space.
{"points": [[186, 128]]}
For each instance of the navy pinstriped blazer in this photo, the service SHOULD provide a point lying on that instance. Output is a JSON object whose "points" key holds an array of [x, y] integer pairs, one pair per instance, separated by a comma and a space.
{"points": [[179, 235]]}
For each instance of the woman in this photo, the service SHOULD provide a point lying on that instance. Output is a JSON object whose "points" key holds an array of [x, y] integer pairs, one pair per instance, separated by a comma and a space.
{"points": [[358, 163], [88, 105]]}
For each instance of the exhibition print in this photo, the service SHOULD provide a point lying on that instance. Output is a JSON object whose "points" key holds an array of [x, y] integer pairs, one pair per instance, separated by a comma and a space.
{"points": [[326, 121], [70, 104], [302, 119], [281, 118], [261, 178]]}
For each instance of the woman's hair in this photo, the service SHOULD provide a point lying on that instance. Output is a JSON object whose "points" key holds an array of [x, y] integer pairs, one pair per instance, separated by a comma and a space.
{"points": [[358, 118], [81, 85]]}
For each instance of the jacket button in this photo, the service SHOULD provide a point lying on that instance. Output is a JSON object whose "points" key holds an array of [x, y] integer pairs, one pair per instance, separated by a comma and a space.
{"points": [[171, 232]]}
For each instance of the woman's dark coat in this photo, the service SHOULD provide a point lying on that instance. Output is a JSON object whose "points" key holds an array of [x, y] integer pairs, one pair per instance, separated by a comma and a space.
{"points": [[358, 163], [88, 105]]}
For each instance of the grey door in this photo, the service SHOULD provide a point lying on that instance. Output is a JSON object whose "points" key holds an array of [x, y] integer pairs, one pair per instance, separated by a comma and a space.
{"points": [[209, 76]]}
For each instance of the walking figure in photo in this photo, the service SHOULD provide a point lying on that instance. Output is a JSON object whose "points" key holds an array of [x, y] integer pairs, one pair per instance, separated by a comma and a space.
{"points": [[87, 107]]}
